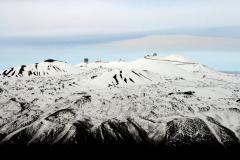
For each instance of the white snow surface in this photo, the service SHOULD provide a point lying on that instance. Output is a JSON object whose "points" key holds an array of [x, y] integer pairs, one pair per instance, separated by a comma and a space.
{"points": [[46, 68], [151, 91]]}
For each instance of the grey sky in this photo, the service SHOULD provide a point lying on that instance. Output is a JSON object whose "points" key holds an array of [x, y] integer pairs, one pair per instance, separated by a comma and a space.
{"points": [[71, 28], [64, 17]]}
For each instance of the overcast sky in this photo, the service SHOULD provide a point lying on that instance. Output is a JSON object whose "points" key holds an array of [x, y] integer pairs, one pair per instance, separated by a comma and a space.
{"points": [[206, 30]]}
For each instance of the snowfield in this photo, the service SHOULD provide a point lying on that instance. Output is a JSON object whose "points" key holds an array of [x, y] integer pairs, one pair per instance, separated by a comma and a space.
{"points": [[169, 101]]}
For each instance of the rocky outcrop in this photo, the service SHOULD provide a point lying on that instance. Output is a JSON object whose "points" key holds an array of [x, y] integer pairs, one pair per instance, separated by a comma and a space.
{"points": [[226, 137], [188, 132], [113, 132], [179, 132], [49, 67]]}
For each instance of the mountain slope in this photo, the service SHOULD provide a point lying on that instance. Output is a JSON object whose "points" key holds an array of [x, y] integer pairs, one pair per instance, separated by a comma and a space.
{"points": [[49, 67], [162, 68], [123, 78], [151, 103]]}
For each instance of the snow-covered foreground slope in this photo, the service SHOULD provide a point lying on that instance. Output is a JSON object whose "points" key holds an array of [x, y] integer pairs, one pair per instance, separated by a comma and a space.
{"points": [[140, 104]]}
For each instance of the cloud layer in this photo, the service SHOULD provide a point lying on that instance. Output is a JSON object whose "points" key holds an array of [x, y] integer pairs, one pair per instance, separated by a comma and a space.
{"points": [[181, 43], [31, 17], [31, 30]]}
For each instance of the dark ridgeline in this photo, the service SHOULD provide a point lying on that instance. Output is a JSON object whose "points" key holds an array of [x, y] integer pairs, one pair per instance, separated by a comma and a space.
{"points": [[50, 60], [182, 135]]}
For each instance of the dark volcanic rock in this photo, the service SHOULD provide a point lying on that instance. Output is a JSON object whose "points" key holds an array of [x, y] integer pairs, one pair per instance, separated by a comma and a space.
{"points": [[184, 132], [189, 93], [50, 60], [63, 116], [81, 133], [227, 137], [2, 136], [234, 110], [21, 70], [1, 90], [84, 135], [113, 132], [7, 72], [83, 100], [180, 132], [21, 138], [238, 101]]}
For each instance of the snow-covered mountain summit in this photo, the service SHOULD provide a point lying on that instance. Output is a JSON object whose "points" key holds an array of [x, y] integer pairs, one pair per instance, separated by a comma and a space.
{"points": [[49, 67], [172, 66], [185, 64], [149, 101]]}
